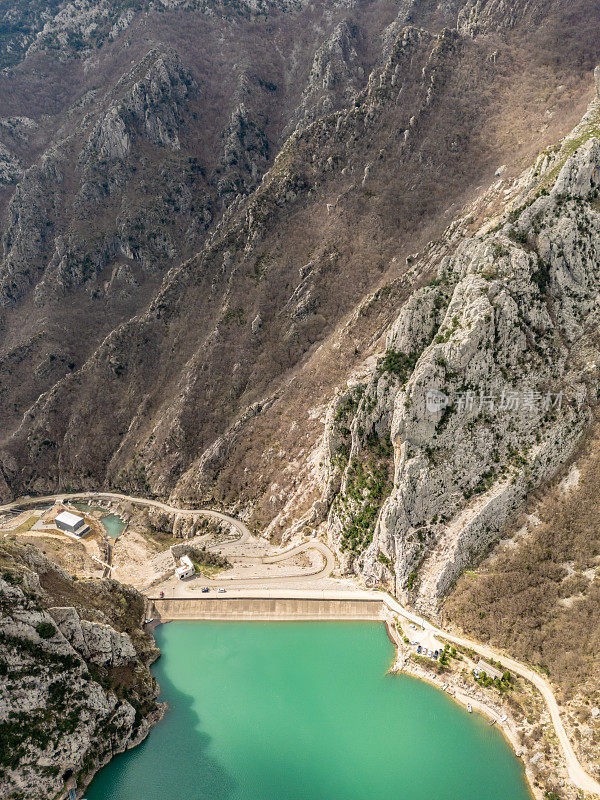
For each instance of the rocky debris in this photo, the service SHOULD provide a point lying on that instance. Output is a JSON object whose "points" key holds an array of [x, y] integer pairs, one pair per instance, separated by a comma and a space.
{"points": [[73, 691], [485, 389], [163, 563]]}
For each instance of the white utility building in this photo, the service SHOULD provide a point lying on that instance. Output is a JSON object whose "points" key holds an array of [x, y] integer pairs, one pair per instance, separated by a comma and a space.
{"points": [[186, 569], [71, 523]]}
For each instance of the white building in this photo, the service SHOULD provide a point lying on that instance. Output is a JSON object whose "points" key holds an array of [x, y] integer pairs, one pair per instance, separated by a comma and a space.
{"points": [[71, 523], [186, 569]]}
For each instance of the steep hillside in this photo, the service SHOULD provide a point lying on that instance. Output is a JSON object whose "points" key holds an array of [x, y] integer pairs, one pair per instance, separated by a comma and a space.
{"points": [[190, 231], [330, 265], [75, 686], [486, 386], [538, 595]]}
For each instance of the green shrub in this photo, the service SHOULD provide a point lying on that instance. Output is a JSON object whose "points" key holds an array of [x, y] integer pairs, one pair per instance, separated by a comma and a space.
{"points": [[45, 630], [398, 363]]}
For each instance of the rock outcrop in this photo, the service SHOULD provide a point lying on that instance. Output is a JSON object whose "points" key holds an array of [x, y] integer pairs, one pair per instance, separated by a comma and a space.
{"points": [[10, 166], [74, 691], [95, 642], [335, 77], [150, 108], [485, 388]]}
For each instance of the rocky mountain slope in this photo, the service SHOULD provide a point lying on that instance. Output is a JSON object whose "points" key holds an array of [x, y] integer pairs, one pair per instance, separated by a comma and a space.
{"points": [[330, 265], [75, 686], [215, 215], [486, 386]]}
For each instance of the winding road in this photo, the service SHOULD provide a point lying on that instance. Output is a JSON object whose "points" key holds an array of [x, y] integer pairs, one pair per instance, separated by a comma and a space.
{"points": [[138, 501], [323, 571], [579, 777], [243, 530]]}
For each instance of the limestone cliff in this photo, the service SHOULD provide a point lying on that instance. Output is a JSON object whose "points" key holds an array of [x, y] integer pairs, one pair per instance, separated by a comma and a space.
{"points": [[486, 385], [75, 688], [213, 218]]}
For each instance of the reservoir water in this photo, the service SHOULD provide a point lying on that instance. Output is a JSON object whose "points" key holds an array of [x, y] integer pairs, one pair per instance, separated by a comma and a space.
{"points": [[304, 711]]}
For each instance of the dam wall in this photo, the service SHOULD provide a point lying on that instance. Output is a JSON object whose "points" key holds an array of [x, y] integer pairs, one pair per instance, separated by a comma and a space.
{"points": [[266, 608]]}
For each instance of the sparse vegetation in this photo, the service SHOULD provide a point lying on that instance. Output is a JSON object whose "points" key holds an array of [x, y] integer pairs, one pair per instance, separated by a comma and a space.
{"points": [[539, 599], [68, 685], [398, 364]]}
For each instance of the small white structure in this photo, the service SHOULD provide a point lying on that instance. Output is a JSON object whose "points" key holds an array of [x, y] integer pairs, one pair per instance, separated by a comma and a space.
{"points": [[186, 569], [71, 523]]}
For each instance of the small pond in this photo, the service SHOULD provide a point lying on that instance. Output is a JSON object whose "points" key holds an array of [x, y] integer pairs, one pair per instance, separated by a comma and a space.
{"points": [[113, 524]]}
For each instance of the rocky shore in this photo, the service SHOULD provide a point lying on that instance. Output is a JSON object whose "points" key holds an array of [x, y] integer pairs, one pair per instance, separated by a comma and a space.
{"points": [[75, 684]]}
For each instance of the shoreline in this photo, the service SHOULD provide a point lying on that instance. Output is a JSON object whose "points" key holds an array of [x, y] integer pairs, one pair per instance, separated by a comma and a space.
{"points": [[574, 777], [458, 696], [403, 665], [508, 727]]}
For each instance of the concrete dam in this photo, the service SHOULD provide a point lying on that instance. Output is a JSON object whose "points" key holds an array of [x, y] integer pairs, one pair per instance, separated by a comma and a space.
{"points": [[268, 608]]}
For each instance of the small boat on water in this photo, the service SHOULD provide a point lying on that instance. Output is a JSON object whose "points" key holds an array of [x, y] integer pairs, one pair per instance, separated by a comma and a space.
{"points": [[469, 708]]}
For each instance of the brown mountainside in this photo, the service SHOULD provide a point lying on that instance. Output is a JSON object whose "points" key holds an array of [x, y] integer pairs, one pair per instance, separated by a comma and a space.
{"points": [[199, 199]]}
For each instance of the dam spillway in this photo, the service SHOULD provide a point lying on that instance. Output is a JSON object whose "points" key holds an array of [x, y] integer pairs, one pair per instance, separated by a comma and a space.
{"points": [[269, 608]]}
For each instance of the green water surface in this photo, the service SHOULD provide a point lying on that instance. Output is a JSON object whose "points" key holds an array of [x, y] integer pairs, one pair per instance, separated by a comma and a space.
{"points": [[113, 524], [304, 711]]}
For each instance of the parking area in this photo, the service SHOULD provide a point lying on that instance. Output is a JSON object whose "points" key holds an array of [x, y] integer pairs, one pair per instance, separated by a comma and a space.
{"points": [[422, 642]]}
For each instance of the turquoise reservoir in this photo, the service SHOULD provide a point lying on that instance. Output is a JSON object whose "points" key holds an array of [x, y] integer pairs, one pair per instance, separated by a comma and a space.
{"points": [[304, 711]]}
